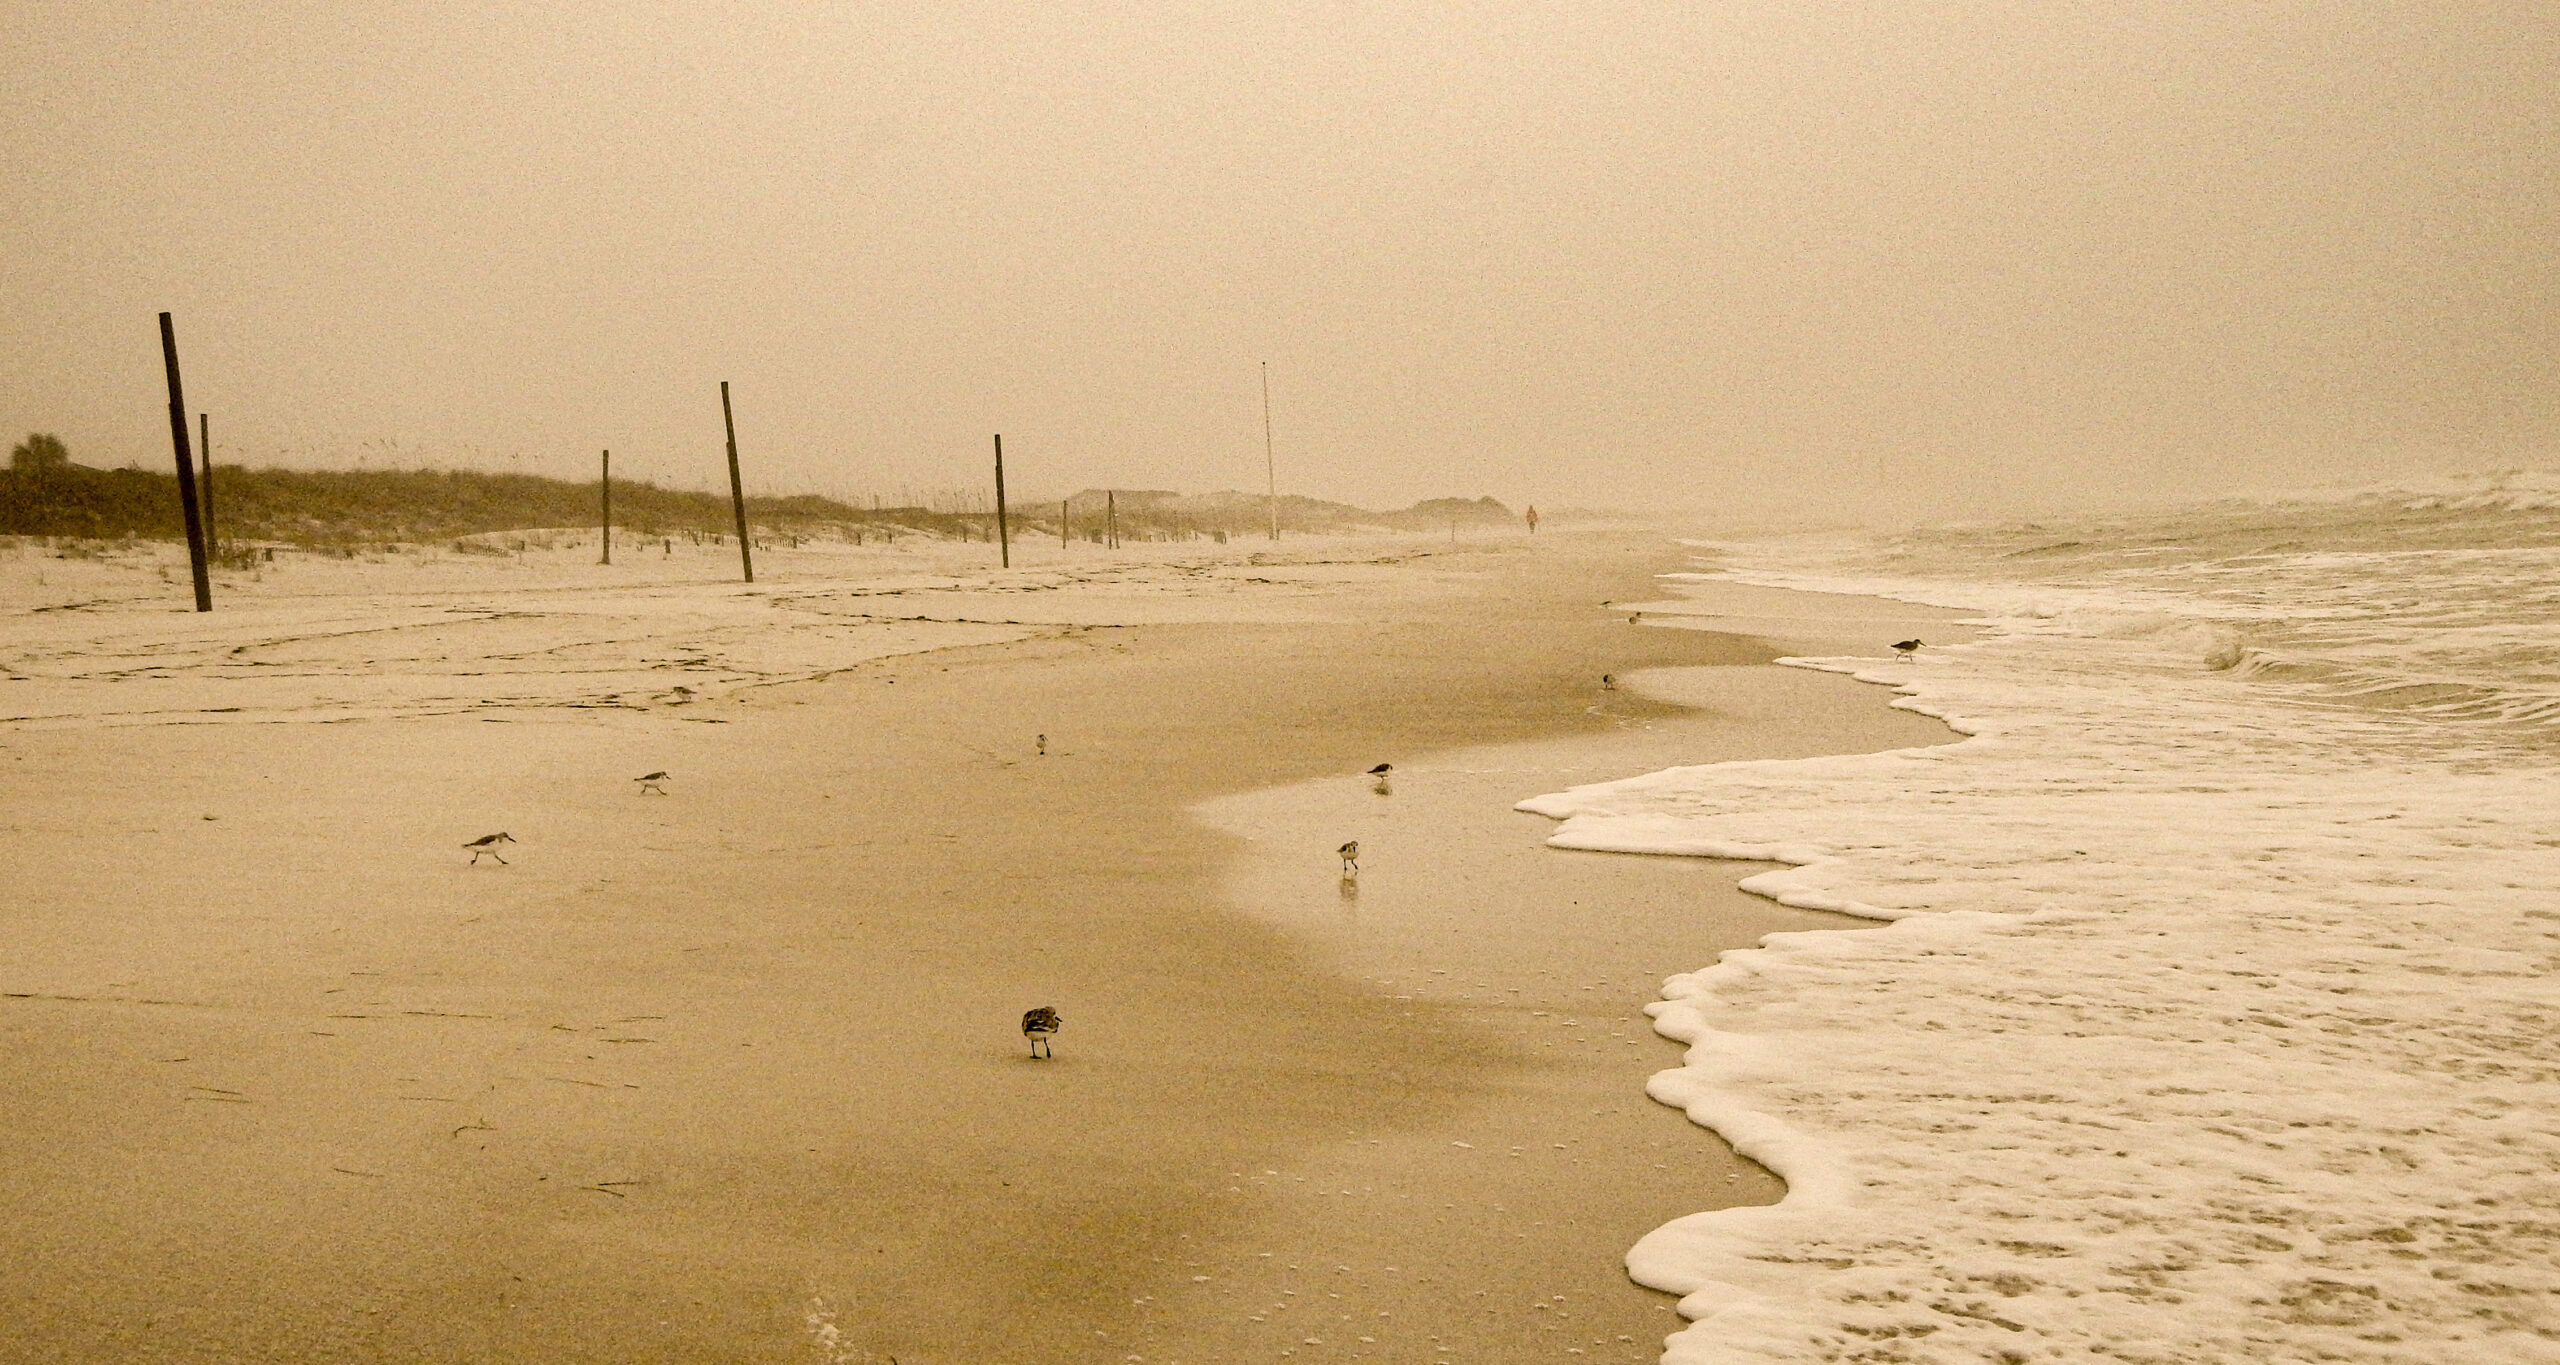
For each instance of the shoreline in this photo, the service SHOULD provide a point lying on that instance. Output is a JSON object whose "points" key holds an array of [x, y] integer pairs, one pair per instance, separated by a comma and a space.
{"points": [[529, 1130], [1500, 1227], [2182, 955]]}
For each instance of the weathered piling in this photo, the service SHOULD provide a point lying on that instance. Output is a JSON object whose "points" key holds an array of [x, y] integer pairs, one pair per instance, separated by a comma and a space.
{"points": [[737, 490], [1004, 536], [204, 466], [186, 466]]}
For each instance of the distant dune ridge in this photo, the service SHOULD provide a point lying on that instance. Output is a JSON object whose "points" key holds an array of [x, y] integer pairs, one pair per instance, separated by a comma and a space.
{"points": [[328, 507], [1243, 513]]}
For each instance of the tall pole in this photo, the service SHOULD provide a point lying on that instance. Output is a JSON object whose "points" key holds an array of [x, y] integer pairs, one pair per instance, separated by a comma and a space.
{"points": [[737, 490], [1004, 537], [1270, 471], [1062, 523], [1110, 519], [608, 507], [204, 450], [186, 466]]}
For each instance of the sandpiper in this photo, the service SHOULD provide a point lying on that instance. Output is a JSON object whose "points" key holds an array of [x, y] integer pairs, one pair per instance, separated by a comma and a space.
{"points": [[1041, 742], [1037, 1025], [488, 843], [1906, 648], [1350, 856], [1608, 682], [654, 782], [1380, 775]]}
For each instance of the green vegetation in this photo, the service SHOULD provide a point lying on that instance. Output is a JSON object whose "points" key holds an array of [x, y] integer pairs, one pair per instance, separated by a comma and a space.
{"points": [[70, 500], [340, 508], [39, 451], [343, 507]]}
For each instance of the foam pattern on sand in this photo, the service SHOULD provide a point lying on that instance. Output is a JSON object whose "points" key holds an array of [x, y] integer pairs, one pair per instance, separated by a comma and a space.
{"points": [[2218, 1017]]}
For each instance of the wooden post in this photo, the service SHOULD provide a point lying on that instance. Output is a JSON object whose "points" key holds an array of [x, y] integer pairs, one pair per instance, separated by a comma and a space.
{"points": [[1004, 537], [608, 507], [204, 453], [1110, 519], [737, 491], [1062, 523], [1270, 471], [186, 466]]}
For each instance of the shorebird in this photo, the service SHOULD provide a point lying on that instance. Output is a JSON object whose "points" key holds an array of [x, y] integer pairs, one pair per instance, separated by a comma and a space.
{"points": [[1608, 682], [1037, 1025], [488, 843], [1350, 856], [654, 782], [1380, 774], [1906, 648], [1042, 742], [1635, 618]]}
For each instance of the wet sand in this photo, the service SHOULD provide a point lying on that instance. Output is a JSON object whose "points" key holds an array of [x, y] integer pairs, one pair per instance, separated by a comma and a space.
{"points": [[291, 1081]]}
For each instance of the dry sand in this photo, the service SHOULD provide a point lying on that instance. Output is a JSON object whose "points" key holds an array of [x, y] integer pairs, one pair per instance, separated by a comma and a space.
{"points": [[289, 1080]]}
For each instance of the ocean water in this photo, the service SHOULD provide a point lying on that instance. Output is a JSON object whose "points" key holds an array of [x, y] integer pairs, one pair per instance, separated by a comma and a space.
{"points": [[2216, 1014]]}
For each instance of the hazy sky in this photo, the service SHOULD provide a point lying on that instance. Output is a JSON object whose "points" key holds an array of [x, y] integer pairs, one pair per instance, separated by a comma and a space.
{"points": [[1888, 259]]}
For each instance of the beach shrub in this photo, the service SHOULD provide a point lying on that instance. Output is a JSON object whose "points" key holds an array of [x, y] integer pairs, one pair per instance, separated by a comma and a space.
{"points": [[41, 450]]}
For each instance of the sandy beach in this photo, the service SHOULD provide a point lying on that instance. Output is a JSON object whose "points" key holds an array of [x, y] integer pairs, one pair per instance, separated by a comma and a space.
{"points": [[292, 1080], [456, 909]]}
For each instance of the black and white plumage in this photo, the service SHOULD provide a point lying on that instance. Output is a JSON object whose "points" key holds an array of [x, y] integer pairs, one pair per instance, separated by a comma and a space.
{"points": [[653, 782], [1381, 775], [1906, 648], [488, 843], [1350, 856], [1038, 1025], [1382, 770]]}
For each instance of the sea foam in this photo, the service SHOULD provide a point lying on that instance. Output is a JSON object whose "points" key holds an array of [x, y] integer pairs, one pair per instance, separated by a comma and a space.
{"points": [[2215, 1017]]}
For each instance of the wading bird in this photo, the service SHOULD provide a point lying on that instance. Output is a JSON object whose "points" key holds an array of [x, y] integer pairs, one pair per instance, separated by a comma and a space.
{"points": [[1906, 648], [1350, 856], [488, 843], [1037, 1025], [654, 782]]}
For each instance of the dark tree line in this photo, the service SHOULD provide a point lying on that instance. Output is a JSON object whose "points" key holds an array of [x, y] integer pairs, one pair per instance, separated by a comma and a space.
{"points": [[43, 494], [338, 507]]}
